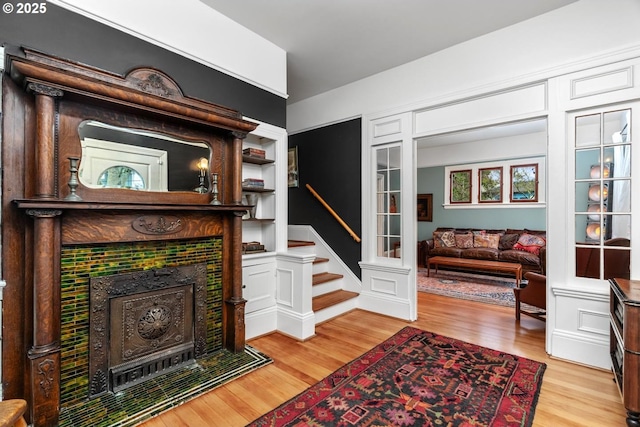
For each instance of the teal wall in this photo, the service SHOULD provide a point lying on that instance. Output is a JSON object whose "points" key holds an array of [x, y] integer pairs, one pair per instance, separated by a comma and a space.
{"points": [[431, 180]]}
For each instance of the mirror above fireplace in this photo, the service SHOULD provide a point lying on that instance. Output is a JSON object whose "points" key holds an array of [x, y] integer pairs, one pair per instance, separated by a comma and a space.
{"points": [[136, 159]]}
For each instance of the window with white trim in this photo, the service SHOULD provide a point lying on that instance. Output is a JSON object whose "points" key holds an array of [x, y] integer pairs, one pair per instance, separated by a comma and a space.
{"points": [[496, 184]]}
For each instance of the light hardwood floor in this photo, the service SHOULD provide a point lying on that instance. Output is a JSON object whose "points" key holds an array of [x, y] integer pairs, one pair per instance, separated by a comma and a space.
{"points": [[572, 395]]}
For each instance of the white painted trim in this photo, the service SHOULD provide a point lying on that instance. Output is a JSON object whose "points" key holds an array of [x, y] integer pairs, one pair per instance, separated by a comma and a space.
{"points": [[351, 282], [626, 52], [261, 322], [301, 326], [581, 349], [386, 305]]}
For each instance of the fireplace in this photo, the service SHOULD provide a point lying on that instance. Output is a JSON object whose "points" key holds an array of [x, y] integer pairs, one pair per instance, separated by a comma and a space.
{"points": [[144, 324], [110, 289]]}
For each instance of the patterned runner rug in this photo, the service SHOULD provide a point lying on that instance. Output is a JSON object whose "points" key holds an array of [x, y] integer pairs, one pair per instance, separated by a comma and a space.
{"points": [[418, 378], [469, 286]]}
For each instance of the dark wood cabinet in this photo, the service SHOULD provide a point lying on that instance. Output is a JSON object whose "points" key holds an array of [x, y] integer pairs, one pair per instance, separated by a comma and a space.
{"points": [[625, 344]]}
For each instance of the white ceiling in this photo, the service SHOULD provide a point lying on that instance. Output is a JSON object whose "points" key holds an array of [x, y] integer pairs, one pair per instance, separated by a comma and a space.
{"points": [[504, 130], [330, 43]]}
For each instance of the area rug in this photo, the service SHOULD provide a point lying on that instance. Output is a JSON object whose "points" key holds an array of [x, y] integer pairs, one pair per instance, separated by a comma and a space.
{"points": [[469, 286], [417, 378]]}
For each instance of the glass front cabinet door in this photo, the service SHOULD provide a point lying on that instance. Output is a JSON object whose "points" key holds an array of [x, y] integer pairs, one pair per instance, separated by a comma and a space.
{"points": [[388, 214], [602, 153]]}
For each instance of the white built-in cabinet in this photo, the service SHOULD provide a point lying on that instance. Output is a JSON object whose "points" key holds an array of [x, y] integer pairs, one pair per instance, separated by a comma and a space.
{"points": [[264, 187], [594, 118]]}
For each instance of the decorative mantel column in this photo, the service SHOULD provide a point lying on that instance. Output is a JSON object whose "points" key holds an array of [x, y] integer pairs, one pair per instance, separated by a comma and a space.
{"points": [[45, 153], [44, 355], [234, 305]]}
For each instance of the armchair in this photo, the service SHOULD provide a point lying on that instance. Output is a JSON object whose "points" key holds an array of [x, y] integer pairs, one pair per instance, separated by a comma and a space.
{"points": [[534, 293]]}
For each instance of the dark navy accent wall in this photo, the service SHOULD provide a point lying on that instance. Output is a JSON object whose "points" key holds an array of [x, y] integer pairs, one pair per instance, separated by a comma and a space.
{"points": [[71, 36], [329, 161]]}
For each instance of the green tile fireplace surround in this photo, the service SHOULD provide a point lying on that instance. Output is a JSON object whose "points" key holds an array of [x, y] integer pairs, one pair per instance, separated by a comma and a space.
{"points": [[80, 263]]}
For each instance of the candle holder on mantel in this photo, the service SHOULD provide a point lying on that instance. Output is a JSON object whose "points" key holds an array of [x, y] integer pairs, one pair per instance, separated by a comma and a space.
{"points": [[214, 190], [73, 180]]}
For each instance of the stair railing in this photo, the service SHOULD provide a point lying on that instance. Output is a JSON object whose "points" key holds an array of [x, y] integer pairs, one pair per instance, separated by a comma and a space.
{"points": [[335, 215]]}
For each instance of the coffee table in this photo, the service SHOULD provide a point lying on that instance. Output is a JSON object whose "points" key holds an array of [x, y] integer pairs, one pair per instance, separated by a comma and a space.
{"points": [[477, 264]]}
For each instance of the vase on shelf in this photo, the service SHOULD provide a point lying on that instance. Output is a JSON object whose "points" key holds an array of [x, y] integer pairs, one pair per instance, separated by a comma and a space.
{"points": [[252, 201]]}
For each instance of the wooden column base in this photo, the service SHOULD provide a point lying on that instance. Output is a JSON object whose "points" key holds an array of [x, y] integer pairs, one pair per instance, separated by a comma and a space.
{"points": [[235, 329], [44, 373]]}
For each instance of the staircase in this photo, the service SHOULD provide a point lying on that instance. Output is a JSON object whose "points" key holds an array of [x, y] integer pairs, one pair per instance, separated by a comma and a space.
{"points": [[329, 298]]}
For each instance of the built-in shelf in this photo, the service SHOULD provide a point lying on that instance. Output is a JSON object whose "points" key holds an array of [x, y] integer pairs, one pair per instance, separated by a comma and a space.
{"points": [[257, 190], [256, 160]]}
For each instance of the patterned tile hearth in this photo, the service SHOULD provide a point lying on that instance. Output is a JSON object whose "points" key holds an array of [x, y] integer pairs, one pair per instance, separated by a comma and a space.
{"points": [[145, 400]]}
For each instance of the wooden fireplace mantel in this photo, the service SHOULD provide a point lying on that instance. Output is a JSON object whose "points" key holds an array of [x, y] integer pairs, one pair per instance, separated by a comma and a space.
{"points": [[118, 206], [45, 99]]}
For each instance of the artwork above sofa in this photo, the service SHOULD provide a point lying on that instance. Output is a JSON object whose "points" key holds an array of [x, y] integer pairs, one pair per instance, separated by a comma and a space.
{"points": [[527, 247]]}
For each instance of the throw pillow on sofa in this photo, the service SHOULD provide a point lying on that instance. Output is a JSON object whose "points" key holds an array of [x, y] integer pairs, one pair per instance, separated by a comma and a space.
{"points": [[507, 241], [464, 240], [486, 241], [530, 243], [444, 239]]}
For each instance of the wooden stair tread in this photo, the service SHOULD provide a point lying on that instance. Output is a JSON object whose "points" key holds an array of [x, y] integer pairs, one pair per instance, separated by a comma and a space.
{"points": [[332, 298], [318, 260], [325, 277], [299, 243]]}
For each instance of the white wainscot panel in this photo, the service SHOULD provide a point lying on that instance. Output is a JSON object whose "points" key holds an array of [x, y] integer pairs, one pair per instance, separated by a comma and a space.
{"points": [[621, 78], [387, 290], [581, 332], [489, 109], [258, 286], [384, 285], [617, 82], [593, 322], [384, 127], [284, 293]]}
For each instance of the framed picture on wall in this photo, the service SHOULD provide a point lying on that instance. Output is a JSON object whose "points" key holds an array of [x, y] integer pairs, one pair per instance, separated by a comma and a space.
{"points": [[425, 207], [292, 169]]}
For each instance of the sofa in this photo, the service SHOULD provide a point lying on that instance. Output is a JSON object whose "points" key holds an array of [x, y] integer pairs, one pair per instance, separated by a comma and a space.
{"points": [[524, 246]]}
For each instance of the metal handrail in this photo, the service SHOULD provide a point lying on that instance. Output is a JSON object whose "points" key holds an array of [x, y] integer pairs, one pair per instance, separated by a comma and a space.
{"points": [[335, 215]]}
